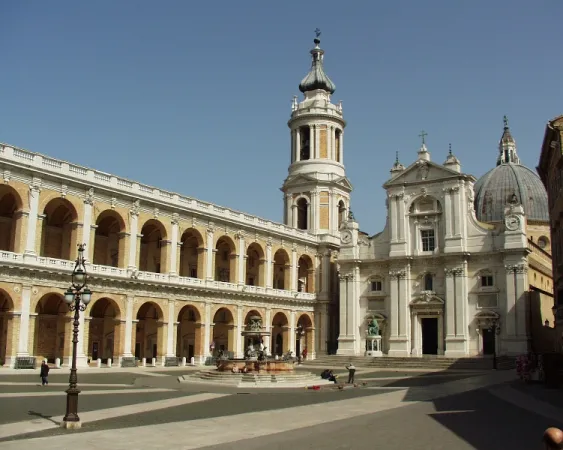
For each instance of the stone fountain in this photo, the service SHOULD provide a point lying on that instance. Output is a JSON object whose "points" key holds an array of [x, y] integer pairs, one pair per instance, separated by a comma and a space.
{"points": [[257, 368]]}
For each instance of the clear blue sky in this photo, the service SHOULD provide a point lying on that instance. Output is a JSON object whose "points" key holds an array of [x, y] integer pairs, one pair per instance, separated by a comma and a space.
{"points": [[194, 97]]}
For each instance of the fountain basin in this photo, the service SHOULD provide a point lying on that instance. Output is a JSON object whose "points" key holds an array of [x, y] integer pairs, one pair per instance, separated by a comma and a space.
{"points": [[252, 366]]}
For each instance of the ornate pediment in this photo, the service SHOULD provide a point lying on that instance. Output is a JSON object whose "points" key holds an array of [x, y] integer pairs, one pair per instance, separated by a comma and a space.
{"points": [[295, 180], [345, 183], [421, 171], [427, 298]]}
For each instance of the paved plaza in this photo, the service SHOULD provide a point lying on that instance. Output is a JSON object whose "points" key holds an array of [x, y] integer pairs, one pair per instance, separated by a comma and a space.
{"points": [[148, 407]]}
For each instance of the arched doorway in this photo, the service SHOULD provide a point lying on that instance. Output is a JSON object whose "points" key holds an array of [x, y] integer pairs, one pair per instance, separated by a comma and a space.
{"points": [[222, 338], [52, 326], [255, 265], [306, 275], [6, 322], [280, 334], [104, 331], [148, 342], [10, 219], [192, 254], [225, 260], [109, 240], [59, 236], [304, 336], [281, 270], [189, 342]]}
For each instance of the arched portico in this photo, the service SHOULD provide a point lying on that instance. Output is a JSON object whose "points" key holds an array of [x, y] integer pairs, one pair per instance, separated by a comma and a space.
{"points": [[280, 334], [10, 219], [104, 330], [192, 254], [152, 256], [281, 272], [7, 350], [109, 239], [189, 342], [222, 335], [255, 264], [52, 328], [306, 275], [149, 341], [59, 235], [305, 336], [225, 260]]}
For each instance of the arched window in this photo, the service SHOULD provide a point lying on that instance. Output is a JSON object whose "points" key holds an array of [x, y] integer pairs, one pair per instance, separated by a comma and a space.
{"points": [[428, 282], [302, 214], [305, 133]]}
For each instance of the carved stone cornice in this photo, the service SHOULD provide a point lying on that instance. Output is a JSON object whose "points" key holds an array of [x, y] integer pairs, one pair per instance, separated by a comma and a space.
{"points": [[516, 268], [450, 189], [135, 208], [88, 200], [396, 195], [397, 274]]}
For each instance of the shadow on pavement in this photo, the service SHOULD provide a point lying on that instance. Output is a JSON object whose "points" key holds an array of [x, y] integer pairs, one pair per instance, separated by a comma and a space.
{"points": [[43, 416]]}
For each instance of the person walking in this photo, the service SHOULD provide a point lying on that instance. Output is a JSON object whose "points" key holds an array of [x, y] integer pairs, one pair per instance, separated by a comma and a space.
{"points": [[351, 372], [44, 373]]}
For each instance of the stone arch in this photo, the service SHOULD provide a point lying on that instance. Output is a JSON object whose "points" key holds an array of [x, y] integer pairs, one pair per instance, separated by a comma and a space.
{"points": [[104, 337], [341, 211], [282, 270], [304, 334], [280, 334], [192, 254], [225, 260], [255, 265], [189, 342], [149, 340], [59, 236], [152, 255], [7, 347], [306, 274], [52, 328], [109, 239], [222, 334], [11, 222]]}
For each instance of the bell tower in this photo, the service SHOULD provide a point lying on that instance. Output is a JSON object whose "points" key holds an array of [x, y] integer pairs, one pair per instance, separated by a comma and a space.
{"points": [[317, 192]]}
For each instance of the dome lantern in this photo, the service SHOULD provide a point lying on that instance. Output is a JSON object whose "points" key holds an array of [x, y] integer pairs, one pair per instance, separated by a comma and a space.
{"points": [[317, 78]]}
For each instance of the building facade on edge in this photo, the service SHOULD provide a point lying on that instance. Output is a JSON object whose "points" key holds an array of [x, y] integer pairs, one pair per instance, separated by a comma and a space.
{"points": [[550, 169], [453, 271]]}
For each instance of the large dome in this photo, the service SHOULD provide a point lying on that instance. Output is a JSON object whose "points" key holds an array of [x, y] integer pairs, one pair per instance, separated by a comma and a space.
{"points": [[495, 189]]}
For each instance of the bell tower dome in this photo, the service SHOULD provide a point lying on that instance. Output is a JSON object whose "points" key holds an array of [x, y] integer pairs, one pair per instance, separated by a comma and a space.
{"points": [[317, 192]]}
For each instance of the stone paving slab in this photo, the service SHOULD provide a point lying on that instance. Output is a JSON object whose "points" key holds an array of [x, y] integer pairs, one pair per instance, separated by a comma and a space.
{"points": [[201, 432]]}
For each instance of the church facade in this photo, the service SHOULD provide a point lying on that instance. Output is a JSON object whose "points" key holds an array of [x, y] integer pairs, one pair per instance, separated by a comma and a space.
{"points": [[452, 271]]}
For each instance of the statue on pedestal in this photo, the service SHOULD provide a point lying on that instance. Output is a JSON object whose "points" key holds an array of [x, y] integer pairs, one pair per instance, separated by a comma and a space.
{"points": [[373, 328]]}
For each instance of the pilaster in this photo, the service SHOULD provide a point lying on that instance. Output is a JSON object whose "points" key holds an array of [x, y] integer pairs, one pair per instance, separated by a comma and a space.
{"points": [[398, 340], [209, 260], [170, 349], [86, 227], [31, 235], [207, 336], [241, 258], [174, 268], [268, 329], [269, 266], [133, 225], [23, 347], [239, 341], [128, 326], [294, 269], [292, 332]]}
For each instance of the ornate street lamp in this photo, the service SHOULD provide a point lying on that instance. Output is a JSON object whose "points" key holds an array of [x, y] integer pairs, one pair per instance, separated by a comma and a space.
{"points": [[77, 296], [495, 328]]}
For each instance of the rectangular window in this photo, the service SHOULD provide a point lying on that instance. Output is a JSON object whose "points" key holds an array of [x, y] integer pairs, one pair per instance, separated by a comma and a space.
{"points": [[376, 286], [428, 240], [486, 281]]}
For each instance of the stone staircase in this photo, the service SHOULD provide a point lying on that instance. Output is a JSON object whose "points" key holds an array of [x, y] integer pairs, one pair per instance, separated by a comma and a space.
{"points": [[422, 363], [259, 380]]}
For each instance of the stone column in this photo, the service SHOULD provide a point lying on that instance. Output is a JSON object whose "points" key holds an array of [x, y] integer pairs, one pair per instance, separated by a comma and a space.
{"points": [[459, 211], [23, 341], [268, 329], [297, 144], [209, 261], [315, 222], [312, 141], [241, 258], [32, 222], [294, 268], [128, 327], [448, 225], [269, 266], [450, 304], [394, 301], [207, 335], [174, 268], [511, 319], [31, 331], [460, 312], [86, 228], [239, 341], [392, 199], [133, 224], [292, 332], [342, 147], [170, 350]]}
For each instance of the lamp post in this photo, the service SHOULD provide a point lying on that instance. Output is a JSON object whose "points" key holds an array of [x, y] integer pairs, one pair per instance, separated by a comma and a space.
{"points": [[554, 311], [494, 327], [77, 296]]}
